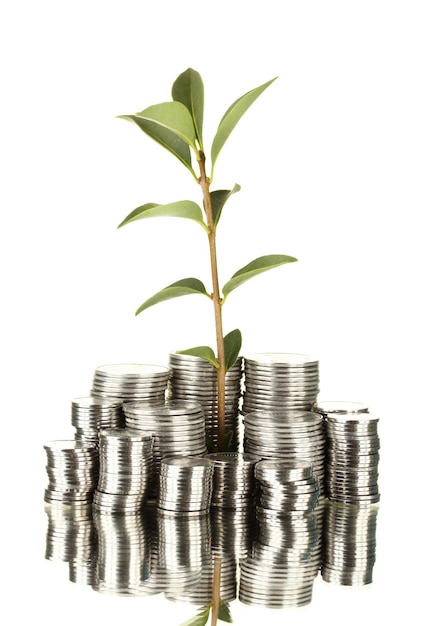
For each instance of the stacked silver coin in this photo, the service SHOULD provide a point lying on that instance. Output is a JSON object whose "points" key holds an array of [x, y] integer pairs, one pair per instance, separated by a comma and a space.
{"points": [[70, 534], [177, 427], [131, 382], [72, 469], [185, 484], [349, 543], [195, 379], [232, 531], [90, 414], [233, 479], [285, 558], [126, 459], [280, 381], [288, 435], [123, 559]]}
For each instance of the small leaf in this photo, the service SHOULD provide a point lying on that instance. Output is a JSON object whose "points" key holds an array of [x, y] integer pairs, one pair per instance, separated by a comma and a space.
{"points": [[232, 117], [188, 89], [227, 440], [262, 264], [200, 619], [166, 138], [224, 612], [232, 342], [203, 352], [184, 287], [183, 208], [218, 201]]}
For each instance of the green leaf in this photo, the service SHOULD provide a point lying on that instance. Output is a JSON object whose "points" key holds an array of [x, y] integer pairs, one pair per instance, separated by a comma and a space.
{"points": [[224, 612], [203, 352], [188, 89], [200, 619], [218, 201], [184, 287], [262, 264], [232, 117], [232, 342], [182, 208]]}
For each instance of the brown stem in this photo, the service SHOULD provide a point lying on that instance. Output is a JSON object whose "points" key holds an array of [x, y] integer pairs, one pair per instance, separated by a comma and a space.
{"points": [[217, 302], [217, 569]]}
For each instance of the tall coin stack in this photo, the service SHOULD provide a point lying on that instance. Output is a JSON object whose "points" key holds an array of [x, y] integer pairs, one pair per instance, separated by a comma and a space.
{"points": [[233, 479], [285, 558], [131, 382], [185, 484], [195, 379], [89, 415], [125, 470], [72, 470], [177, 428]]}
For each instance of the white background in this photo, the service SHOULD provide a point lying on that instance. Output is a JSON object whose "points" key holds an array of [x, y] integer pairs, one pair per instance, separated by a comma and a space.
{"points": [[330, 164]]}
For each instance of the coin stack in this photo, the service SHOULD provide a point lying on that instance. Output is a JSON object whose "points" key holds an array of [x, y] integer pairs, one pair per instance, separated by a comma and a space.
{"points": [[185, 484], [349, 544], [123, 560], [233, 479], [72, 469], [125, 470], [70, 534], [232, 531], [195, 379], [177, 427], [280, 381], [131, 382], [289, 435], [90, 414], [285, 558]]}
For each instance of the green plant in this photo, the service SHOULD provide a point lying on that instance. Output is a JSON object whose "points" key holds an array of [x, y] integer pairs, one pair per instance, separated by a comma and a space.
{"points": [[178, 127]]}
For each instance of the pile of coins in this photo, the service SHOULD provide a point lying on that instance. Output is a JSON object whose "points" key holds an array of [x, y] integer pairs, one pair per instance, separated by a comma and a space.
{"points": [[233, 479], [232, 531], [131, 382], [185, 484], [125, 470], [349, 543], [70, 534], [352, 455], [280, 381], [286, 486], [289, 435], [90, 414], [72, 470], [195, 379], [177, 428]]}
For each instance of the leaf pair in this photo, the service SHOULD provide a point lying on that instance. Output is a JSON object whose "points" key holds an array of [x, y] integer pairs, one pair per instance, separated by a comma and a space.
{"points": [[202, 616], [232, 343]]}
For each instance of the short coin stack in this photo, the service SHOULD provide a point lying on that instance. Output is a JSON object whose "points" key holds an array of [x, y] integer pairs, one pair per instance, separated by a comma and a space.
{"points": [[177, 427], [233, 479], [185, 484], [195, 379], [70, 534], [125, 470], [285, 558], [131, 382], [72, 469], [90, 414]]}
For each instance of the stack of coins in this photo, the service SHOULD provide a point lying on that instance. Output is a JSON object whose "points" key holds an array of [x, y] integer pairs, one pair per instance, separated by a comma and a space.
{"points": [[185, 484], [286, 556], [349, 543], [232, 531], [70, 534], [90, 414], [280, 381], [131, 382], [72, 469], [125, 470], [123, 559], [195, 379], [233, 479], [288, 435], [177, 427]]}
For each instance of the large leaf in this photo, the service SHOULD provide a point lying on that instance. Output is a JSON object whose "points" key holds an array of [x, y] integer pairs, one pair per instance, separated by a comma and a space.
{"points": [[204, 352], [218, 201], [200, 619], [232, 342], [188, 89], [262, 264], [182, 208], [184, 287], [232, 117], [225, 612], [165, 137]]}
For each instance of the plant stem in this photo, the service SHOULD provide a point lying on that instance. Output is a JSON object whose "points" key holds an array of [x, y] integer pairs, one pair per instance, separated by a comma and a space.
{"points": [[215, 606], [204, 182]]}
